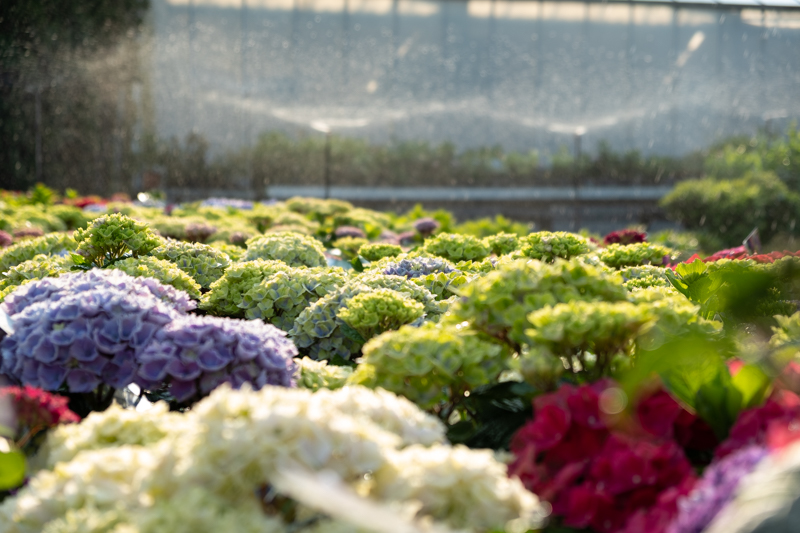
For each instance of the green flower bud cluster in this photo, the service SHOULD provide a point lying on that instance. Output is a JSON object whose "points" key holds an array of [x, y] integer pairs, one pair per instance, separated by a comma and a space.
{"points": [[202, 262], [40, 267], [317, 375], [318, 331], [294, 249], [379, 250], [72, 217], [502, 243], [349, 246], [588, 335], [374, 312], [165, 272], [295, 220], [674, 316], [38, 217], [640, 253], [641, 277], [547, 246], [431, 364], [280, 297], [228, 291], [235, 253], [372, 222], [787, 333], [112, 237], [457, 247], [478, 267], [443, 285], [52, 244], [499, 302], [317, 208]]}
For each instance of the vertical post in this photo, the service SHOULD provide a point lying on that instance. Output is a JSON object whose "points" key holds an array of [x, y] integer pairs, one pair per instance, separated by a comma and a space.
{"points": [[327, 175], [37, 103]]}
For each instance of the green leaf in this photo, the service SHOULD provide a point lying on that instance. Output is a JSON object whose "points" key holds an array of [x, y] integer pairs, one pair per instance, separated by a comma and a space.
{"points": [[753, 384], [358, 266], [690, 271], [78, 259], [718, 403], [12, 469], [351, 334]]}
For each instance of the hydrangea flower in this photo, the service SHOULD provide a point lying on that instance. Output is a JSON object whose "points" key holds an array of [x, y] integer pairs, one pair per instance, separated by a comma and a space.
{"points": [[315, 375], [281, 297], [232, 203], [111, 237], [349, 246], [640, 277], [456, 247], [5, 239], [199, 232], [52, 244], [645, 253], [380, 310], [379, 250], [431, 364], [499, 302], [81, 330], [204, 263], [293, 249], [163, 271], [349, 231], [40, 267], [595, 476], [35, 410], [227, 293], [27, 233], [196, 354], [502, 243], [625, 236], [716, 488], [425, 226], [414, 267], [547, 246]]}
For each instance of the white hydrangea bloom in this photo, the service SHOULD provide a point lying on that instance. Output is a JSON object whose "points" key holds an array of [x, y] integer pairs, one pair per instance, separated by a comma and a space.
{"points": [[207, 470]]}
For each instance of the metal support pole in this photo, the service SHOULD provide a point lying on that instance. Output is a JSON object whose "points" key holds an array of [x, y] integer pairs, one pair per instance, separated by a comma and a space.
{"points": [[327, 175]]}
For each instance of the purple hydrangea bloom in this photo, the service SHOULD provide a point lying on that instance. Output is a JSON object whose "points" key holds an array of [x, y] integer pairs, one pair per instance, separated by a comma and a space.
{"points": [[407, 237], [84, 329], [426, 226], [715, 490], [5, 239], [418, 266], [227, 202], [195, 354], [349, 231]]}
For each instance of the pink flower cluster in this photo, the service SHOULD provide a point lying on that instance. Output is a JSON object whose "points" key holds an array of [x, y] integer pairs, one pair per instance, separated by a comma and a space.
{"points": [[36, 409], [774, 424], [741, 253], [625, 236], [608, 478]]}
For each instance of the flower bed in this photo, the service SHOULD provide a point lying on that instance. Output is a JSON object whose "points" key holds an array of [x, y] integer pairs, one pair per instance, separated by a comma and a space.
{"points": [[309, 365]]}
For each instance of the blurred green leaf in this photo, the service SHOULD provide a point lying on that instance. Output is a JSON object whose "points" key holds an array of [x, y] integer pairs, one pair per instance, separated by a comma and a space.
{"points": [[12, 469]]}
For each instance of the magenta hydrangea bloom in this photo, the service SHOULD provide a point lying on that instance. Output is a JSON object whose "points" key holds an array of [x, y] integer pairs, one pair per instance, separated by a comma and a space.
{"points": [[195, 354], [5, 239], [426, 226], [349, 231]]}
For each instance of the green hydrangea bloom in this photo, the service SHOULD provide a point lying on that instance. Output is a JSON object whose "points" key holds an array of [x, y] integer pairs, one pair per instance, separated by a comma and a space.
{"points": [[641, 277], [431, 364], [40, 267], [478, 267], [317, 375], [456, 247], [226, 293], [547, 246], [72, 217], [317, 207], [576, 329], [443, 285], [293, 249], [379, 250], [372, 222], [52, 244], [318, 331], [204, 263], [349, 246], [236, 253], [36, 216], [502, 243], [372, 313], [499, 302], [640, 253], [280, 297], [112, 237], [164, 271]]}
